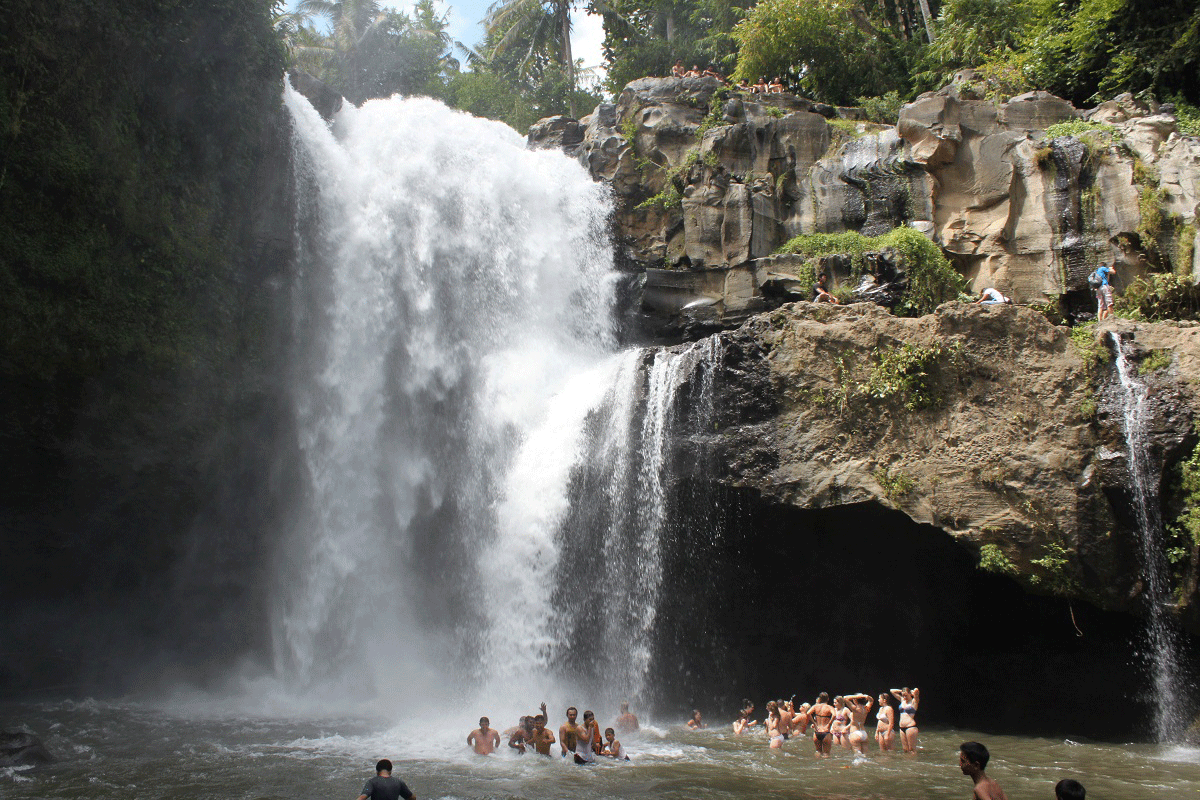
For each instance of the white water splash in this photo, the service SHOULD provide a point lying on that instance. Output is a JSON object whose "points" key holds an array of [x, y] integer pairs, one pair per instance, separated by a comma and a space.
{"points": [[455, 290]]}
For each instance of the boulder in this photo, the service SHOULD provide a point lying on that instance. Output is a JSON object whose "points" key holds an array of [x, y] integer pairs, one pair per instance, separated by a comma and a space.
{"points": [[561, 133], [22, 749]]}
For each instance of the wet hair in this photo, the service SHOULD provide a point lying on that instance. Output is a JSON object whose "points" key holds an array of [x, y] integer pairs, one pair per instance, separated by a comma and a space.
{"points": [[884, 699], [383, 766], [823, 697], [539, 718], [772, 705], [1069, 789], [607, 731], [484, 721], [572, 708], [695, 713], [588, 715], [624, 708], [976, 753]]}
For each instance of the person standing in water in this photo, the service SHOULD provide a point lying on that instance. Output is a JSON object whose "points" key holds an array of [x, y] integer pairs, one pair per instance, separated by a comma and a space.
{"points": [[822, 717], [484, 738], [383, 786], [885, 724], [909, 700], [626, 722], [568, 734], [696, 723], [972, 759], [612, 746], [1069, 789], [541, 739], [859, 705]]}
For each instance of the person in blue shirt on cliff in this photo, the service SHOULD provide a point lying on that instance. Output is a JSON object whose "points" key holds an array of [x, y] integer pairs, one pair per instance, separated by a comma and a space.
{"points": [[1104, 298]]}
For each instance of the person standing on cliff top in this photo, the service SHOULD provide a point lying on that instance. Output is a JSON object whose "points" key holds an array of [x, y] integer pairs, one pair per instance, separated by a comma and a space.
{"points": [[1104, 297]]}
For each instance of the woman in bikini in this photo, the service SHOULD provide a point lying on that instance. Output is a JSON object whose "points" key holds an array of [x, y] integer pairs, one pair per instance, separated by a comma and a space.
{"points": [[909, 700], [822, 717], [776, 731], [841, 722], [885, 724], [859, 705]]}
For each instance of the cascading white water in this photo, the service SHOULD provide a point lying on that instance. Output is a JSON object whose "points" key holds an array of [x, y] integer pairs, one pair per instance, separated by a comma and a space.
{"points": [[455, 308], [1161, 649]]}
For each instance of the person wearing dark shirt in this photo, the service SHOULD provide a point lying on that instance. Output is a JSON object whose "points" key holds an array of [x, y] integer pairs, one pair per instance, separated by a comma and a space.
{"points": [[384, 787]]}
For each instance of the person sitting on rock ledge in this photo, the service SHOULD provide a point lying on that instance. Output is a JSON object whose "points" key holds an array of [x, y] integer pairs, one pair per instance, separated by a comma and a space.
{"points": [[761, 86], [678, 71], [821, 291], [776, 86], [694, 72], [992, 297], [711, 72]]}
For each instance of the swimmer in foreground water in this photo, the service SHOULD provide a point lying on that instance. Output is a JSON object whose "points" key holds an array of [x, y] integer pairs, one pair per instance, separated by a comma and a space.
{"points": [[972, 759], [696, 723], [484, 739], [384, 787]]}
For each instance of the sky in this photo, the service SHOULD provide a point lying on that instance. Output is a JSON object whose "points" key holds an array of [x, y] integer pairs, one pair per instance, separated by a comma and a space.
{"points": [[463, 25]]}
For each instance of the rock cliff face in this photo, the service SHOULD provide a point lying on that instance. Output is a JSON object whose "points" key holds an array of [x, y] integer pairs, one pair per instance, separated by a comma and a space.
{"points": [[988, 423], [710, 182]]}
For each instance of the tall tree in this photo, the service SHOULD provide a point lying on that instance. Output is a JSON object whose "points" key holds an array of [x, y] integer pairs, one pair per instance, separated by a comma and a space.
{"points": [[537, 29]]}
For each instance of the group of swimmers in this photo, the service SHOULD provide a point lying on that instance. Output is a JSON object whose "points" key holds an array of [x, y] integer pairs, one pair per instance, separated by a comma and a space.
{"points": [[582, 742], [844, 722]]}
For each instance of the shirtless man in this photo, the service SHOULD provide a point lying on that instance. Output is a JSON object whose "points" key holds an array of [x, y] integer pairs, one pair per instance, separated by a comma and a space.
{"points": [[541, 739], [627, 722], [972, 759], [568, 734], [822, 717], [519, 735], [484, 739]]}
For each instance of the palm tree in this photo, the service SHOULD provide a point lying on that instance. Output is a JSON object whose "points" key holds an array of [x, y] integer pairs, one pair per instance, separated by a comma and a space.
{"points": [[352, 21], [542, 28]]}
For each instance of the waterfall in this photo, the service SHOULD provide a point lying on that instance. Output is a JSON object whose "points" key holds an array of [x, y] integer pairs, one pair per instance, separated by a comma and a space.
{"points": [[1161, 649], [453, 336]]}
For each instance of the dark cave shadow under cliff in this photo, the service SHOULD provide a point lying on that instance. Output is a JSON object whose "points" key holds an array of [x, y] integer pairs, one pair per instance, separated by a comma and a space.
{"points": [[765, 600]]}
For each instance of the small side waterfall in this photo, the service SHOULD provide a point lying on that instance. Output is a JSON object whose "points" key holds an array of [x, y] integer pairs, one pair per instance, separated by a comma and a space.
{"points": [[1161, 647]]}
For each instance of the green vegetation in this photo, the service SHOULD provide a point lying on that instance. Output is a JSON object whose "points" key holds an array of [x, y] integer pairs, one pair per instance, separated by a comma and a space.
{"points": [[992, 559], [896, 485], [882, 109], [1158, 297], [1053, 570], [908, 374], [1156, 361], [130, 148], [1079, 129], [1186, 114], [931, 278], [1184, 534], [1094, 355]]}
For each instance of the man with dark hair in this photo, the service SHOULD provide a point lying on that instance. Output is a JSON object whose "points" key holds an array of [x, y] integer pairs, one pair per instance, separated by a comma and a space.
{"points": [[541, 738], [569, 733], [383, 786], [1068, 789], [484, 739], [972, 759]]}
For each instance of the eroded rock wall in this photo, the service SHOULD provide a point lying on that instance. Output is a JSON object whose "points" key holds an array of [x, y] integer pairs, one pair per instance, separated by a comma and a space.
{"points": [[988, 423], [711, 179]]}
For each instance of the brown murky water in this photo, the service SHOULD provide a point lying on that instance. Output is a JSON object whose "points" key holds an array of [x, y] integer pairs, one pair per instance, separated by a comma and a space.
{"points": [[130, 751]]}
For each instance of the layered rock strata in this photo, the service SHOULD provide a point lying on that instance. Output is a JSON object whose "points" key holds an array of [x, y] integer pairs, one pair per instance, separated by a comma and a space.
{"points": [[712, 180]]}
